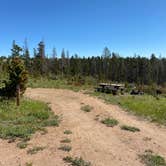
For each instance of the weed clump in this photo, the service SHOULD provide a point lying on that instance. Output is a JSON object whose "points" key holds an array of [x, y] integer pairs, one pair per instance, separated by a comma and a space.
{"points": [[86, 108], [35, 149], [22, 145], [76, 161], [130, 128], [151, 159], [110, 122], [66, 140], [67, 132], [28, 164]]}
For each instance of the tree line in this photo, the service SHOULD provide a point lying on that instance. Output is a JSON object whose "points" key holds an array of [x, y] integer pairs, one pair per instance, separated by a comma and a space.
{"points": [[110, 66]]}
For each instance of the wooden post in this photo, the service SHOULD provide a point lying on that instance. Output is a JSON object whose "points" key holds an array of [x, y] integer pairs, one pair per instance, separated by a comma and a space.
{"points": [[18, 95]]}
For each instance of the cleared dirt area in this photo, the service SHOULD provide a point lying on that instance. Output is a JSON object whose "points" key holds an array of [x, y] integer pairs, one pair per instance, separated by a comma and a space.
{"points": [[90, 139]]}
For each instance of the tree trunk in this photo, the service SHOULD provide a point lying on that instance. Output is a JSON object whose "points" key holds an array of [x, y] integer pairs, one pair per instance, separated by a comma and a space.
{"points": [[18, 95]]}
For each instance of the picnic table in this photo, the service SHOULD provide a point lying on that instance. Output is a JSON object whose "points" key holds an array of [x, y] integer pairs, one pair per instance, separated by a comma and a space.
{"points": [[110, 88]]}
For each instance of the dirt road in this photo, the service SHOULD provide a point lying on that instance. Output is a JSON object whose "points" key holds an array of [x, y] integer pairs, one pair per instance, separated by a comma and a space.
{"points": [[90, 139]]}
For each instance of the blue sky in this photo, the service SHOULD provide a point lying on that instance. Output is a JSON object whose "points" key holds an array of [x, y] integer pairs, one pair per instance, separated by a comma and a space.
{"points": [[85, 26]]}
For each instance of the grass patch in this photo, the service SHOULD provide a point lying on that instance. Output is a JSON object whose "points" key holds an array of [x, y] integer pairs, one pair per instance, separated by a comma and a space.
{"points": [[86, 108], [150, 159], [28, 164], [145, 106], [130, 128], [76, 161], [109, 122], [66, 148], [67, 132], [35, 149], [24, 120], [22, 145], [66, 140], [60, 83]]}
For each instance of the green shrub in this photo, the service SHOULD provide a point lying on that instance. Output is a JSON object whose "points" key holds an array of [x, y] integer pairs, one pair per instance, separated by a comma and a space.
{"points": [[109, 122], [86, 108], [22, 145], [68, 159], [66, 140], [76, 161], [54, 121], [67, 132], [28, 164], [35, 149], [130, 128], [150, 159]]}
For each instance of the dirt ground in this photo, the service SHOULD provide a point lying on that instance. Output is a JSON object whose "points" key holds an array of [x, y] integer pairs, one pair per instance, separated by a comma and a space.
{"points": [[90, 139]]}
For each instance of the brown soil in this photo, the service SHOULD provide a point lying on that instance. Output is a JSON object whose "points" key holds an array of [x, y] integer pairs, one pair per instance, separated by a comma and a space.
{"points": [[90, 139]]}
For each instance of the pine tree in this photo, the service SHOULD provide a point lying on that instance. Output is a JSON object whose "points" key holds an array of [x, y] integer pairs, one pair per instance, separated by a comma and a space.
{"points": [[39, 59], [106, 56], [67, 63], [17, 75], [15, 49], [41, 54], [53, 62], [26, 56], [63, 62]]}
